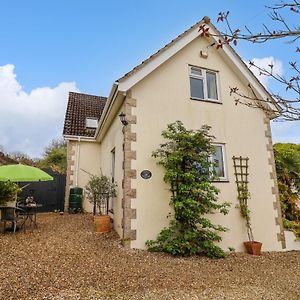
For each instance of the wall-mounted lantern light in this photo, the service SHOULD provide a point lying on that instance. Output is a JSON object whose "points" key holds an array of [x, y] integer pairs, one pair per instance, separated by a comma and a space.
{"points": [[123, 119]]}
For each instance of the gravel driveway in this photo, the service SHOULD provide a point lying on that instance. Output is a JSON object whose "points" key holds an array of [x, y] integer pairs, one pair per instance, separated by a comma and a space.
{"points": [[65, 259]]}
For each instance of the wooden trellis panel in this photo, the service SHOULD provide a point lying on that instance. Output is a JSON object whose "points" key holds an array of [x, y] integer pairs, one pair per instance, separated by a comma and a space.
{"points": [[241, 170]]}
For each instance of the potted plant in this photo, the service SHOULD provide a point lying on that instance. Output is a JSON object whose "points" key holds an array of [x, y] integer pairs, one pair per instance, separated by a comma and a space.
{"points": [[98, 190], [252, 246], [8, 193]]}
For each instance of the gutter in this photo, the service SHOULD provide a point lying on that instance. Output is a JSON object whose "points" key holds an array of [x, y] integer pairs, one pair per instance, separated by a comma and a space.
{"points": [[78, 137], [110, 101]]}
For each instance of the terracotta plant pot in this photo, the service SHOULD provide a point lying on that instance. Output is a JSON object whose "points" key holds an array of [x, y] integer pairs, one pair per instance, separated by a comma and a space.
{"points": [[253, 247], [102, 223]]}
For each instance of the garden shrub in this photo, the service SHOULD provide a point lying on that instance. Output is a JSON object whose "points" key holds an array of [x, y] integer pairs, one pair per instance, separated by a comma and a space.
{"points": [[189, 172]]}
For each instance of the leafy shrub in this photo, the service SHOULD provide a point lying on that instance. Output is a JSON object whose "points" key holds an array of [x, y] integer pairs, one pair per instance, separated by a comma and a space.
{"points": [[287, 159], [8, 191], [292, 226], [185, 157], [98, 190]]}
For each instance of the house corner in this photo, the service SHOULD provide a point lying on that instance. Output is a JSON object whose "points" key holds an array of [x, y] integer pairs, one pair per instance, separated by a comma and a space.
{"points": [[130, 172], [275, 191], [70, 172]]}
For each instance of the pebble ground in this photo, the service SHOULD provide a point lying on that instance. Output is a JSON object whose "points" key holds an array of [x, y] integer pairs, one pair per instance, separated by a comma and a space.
{"points": [[65, 259]]}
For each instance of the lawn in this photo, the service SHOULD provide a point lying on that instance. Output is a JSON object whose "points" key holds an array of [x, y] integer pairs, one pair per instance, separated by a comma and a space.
{"points": [[65, 259]]}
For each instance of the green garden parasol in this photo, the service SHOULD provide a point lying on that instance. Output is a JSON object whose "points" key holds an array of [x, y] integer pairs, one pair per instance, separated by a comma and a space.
{"points": [[21, 173]]}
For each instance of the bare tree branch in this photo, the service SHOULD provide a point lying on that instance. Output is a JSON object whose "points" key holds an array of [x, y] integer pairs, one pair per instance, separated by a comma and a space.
{"points": [[285, 108]]}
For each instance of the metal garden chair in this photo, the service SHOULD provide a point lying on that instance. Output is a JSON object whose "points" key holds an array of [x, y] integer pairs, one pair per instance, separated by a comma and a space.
{"points": [[9, 214]]}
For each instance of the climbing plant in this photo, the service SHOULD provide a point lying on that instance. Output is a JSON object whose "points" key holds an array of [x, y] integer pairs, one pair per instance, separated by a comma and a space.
{"points": [[241, 173], [189, 171]]}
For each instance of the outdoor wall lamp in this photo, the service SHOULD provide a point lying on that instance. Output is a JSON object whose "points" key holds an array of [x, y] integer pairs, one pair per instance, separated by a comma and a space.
{"points": [[123, 119]]}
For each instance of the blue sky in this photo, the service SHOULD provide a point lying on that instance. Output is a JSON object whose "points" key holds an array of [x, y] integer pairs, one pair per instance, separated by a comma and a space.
{"points": [[55, 45]]}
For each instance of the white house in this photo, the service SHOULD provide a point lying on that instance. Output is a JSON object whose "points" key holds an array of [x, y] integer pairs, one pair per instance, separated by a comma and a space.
{"points": [[186, 80]]}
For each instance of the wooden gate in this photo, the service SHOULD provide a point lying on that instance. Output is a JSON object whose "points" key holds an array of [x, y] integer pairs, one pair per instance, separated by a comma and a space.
{"points": [[51, 194]]}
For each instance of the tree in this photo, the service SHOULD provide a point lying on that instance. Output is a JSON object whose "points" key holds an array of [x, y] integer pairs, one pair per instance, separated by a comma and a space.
{"points": [[98, 190], [55, 156], [287, 157], [288, 173], [287, 106], [21, 158], [189, 171]]}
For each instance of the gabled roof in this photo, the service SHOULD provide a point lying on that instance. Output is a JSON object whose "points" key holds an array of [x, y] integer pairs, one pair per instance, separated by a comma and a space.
{"points": [[227, 52], [161, 50], [125, 83], [82, 106]]}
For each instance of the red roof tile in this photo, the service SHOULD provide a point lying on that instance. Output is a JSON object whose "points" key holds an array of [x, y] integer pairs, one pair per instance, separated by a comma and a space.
{"points": [[80, 107]]}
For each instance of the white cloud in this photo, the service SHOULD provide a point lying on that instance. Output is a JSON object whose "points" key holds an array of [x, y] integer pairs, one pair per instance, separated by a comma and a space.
{"points": [[264, 62], [28, 121]]}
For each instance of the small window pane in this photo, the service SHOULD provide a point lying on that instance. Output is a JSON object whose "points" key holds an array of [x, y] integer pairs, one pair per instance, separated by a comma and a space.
{"points": [[196, 88], [218, 160], [91, 123], [211, 85], [196, 71]]}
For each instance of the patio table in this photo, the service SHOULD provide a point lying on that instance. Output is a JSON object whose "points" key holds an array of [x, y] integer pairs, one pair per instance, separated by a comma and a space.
{"points": [[29, 211]]}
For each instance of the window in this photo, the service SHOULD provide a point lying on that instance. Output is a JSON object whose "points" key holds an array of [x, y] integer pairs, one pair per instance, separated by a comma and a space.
{"points": [[217, 165], [113, 164], [91, 122], [203, 84], [218, 159], [113, 172]]}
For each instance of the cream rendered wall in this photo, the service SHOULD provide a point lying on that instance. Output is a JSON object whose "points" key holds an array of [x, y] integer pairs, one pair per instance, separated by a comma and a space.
{"points": [[114, 139], [87, 159], [95, 158], [164, 97], [291, 242]]}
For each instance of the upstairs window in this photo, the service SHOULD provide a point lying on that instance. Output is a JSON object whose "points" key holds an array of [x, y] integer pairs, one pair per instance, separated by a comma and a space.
{"points": [[91, 123], [203, 84]]}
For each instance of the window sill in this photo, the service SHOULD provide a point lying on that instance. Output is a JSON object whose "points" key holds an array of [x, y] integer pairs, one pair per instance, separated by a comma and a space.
{"points": [[220, 181], [206, 100]]}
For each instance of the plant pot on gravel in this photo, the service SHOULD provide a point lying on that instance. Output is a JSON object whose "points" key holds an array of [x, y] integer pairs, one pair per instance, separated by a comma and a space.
{"points": [[99, 190], [253, 247], [241, 173], [102, 223]]}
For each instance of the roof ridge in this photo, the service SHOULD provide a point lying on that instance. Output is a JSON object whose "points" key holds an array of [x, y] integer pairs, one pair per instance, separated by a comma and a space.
{"points": [[205, 19], [89, 95]]}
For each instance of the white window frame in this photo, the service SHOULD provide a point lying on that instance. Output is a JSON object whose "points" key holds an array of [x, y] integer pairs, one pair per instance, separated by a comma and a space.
{"points": [[225, 177], [111, 201], [91, 119], [113, 164], [204, 78]]}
